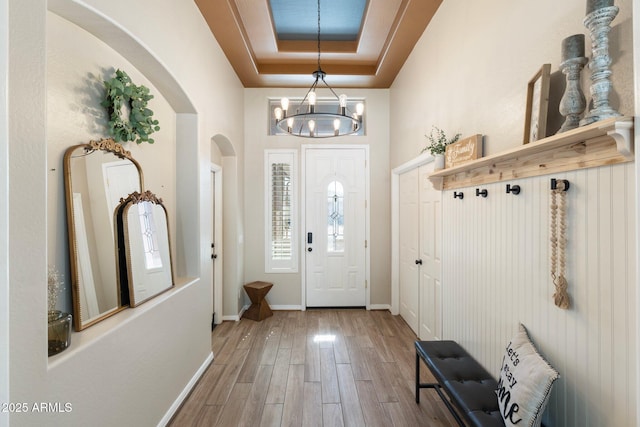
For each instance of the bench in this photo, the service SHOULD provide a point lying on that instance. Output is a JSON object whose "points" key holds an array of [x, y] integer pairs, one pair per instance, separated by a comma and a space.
{"points": [[469, 386]]}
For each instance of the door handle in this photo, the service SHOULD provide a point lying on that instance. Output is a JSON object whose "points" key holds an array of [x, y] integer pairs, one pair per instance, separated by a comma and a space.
{"points": [[214, 256], [418, 262], [309, 238]]}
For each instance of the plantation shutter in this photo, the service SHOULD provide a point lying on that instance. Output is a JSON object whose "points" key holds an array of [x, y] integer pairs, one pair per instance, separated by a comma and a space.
{"points": [[281, 214]]}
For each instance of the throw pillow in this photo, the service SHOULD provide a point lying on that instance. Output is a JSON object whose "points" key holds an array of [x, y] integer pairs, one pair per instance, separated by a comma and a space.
{"points": [[525, 382]]}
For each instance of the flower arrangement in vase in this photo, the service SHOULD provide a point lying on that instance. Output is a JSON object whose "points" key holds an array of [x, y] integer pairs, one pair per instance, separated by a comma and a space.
{"points": [[438, 142], [59, 323]]}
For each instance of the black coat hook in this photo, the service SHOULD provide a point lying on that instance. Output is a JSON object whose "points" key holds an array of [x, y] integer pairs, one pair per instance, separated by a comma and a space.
{"points": [[513, 189], [483, 193], [457, 195], [554, 184]]}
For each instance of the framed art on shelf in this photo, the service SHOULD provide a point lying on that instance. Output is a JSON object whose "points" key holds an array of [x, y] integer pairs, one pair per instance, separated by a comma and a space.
{"points": [[535, 125], [464, 151]]}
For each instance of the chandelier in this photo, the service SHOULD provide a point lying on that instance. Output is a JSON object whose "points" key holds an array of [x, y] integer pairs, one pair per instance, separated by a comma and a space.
{"points": [[308, 121]]}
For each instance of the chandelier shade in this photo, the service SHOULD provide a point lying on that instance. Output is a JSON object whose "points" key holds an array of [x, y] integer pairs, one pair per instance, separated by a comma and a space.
{"points": [[309, 120]]}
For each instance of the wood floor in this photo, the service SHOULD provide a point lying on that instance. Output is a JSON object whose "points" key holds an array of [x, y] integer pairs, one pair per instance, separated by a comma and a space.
{"points": [[313, 368]]}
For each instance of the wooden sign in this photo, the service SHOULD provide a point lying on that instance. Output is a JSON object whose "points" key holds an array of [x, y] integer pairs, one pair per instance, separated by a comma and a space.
{"points": [[463, 151]]}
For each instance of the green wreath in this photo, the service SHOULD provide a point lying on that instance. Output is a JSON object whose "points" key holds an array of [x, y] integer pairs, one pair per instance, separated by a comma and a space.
{"points": [[120, 91]]}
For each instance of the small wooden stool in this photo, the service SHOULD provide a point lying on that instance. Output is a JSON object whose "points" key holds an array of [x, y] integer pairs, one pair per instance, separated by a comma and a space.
{"points": [[259, 309]]}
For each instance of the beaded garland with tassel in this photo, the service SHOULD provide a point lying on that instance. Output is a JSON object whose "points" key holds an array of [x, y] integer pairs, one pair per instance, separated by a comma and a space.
{"points": [[559, 245]]}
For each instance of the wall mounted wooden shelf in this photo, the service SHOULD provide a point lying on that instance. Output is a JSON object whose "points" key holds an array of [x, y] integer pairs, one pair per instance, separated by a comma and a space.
{"points": [[606, 142]]}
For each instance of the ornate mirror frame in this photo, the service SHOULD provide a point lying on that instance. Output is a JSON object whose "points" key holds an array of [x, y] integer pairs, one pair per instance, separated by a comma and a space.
{"points": [[87, 259], [144, 247]]}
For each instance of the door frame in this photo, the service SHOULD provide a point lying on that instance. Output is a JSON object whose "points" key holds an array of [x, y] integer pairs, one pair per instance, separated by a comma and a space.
{"points": [[216, 175], [414, 163], [303, 216]]}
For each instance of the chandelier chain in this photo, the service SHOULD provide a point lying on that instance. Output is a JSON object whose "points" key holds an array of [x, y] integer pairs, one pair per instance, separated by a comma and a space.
{"points": [[307, 122]]}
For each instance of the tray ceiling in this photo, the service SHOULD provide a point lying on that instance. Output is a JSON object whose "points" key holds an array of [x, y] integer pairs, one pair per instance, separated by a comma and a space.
{"points": [[273, 43]]}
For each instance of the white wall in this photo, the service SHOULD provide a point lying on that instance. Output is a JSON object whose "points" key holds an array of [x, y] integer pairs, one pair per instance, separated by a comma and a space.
{"points": [[287, 286], [469, 73], [116, 371], [27, 253], [4, 211], [636, 80]]}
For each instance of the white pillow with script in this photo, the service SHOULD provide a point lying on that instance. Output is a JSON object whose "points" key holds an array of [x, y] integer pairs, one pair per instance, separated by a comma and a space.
{"points": [[525, 383]]}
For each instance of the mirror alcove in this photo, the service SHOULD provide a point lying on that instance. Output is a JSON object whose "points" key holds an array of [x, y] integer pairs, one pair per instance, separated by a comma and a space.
{"points": [[103, 180]]}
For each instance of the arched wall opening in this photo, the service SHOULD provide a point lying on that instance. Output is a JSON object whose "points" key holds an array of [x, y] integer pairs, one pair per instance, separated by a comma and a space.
{"points": [[232, 248]]}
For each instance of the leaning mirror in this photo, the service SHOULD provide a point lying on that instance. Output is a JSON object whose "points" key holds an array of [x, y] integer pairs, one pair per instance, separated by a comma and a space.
{"points": [[97, 176], [143, 246]]}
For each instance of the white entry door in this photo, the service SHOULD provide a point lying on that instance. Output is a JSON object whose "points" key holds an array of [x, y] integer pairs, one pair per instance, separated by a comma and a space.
{"points": [[409, 251], [335, 210]]}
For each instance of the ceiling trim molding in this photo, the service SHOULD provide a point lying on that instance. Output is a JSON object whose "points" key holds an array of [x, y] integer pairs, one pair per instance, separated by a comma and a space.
{"points": [[389, 31]]}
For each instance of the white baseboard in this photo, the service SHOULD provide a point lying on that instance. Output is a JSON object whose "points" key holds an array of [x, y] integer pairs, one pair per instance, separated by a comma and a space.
{"points": [[379, 307], [286, 307], [185, 392], [293, 307], [242, 311], [235, 317]]}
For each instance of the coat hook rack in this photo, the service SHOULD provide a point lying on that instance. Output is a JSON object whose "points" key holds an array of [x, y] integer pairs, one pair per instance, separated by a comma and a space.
{"points": [[513, 189], [554, 184], [483, 193], [458, 195]]}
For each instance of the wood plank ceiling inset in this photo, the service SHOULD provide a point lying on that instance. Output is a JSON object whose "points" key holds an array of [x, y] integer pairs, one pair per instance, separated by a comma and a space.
{"points": [[246, 33]]}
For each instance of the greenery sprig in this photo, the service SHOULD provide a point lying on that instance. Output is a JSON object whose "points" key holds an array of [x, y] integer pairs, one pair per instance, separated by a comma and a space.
{"points": [[119, 92], [438, 142]]}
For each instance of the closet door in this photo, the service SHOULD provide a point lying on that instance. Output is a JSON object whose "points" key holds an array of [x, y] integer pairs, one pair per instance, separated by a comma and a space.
{"points": [[430, 256], [409, 252]]}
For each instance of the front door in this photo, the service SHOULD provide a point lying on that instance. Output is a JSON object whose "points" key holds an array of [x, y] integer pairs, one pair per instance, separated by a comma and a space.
{"points": [[335, 209]]}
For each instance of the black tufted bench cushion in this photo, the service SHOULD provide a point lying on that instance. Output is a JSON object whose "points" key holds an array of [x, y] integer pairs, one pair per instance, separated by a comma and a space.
{"points": [[467, 384]]}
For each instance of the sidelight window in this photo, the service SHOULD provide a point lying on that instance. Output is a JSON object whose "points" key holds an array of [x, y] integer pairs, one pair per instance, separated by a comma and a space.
{"points": [[280, 205]]}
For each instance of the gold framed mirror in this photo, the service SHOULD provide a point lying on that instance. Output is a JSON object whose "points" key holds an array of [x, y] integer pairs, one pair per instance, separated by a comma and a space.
{"points": [[97, 176], [143, 247]]}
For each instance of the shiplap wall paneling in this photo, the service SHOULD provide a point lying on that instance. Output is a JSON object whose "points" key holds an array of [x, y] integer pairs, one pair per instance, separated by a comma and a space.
{"points": [[496, 275]]}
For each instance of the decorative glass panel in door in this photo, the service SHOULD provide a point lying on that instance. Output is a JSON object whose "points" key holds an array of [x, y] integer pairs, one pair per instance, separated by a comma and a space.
{"points": [[335, 217]]}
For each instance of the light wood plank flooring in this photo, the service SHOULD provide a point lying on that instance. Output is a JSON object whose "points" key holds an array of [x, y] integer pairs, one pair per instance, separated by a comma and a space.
{"points": [[313, 368]]}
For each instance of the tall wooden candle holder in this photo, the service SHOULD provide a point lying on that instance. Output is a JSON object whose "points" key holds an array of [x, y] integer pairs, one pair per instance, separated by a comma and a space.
{"points": [[598, 22], [573, 101]]}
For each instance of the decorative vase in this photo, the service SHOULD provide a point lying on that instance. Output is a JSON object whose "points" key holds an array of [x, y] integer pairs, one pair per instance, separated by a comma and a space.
{"points": [[438, 162], [59, 336]]}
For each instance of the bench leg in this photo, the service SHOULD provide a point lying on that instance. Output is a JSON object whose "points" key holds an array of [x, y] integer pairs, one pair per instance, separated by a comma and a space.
{"points": [[449, 406], [417, 378], [438, 390]]}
